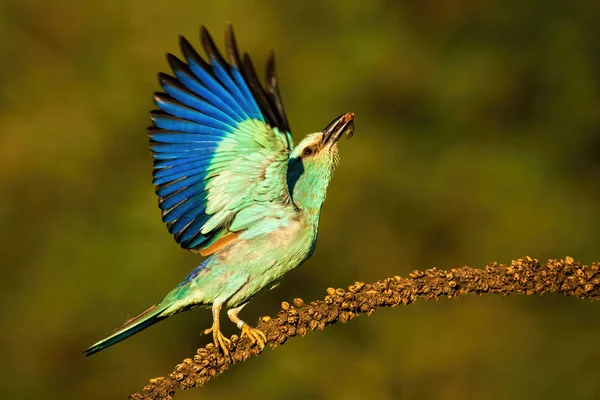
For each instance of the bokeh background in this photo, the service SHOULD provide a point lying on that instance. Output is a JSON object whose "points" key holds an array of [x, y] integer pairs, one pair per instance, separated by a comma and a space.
{"points": [[477, 140]]}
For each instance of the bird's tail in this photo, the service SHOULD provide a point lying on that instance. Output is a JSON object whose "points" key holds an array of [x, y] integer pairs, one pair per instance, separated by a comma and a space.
{"points": [[131, 327]]}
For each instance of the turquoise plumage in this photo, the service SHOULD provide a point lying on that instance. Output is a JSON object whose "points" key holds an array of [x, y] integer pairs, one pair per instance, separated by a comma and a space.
{"points": [[231, 185]]}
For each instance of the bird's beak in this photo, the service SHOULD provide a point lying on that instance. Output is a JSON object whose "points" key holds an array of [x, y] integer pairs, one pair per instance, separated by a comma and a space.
{"points": [[334, 131]]}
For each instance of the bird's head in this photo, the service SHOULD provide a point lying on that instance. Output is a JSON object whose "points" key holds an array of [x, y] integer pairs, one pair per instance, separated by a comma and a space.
{"points": [[312, 161]]}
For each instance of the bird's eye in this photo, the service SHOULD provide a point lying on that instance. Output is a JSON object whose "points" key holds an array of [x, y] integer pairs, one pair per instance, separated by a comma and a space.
{"points": [[307, 151]]}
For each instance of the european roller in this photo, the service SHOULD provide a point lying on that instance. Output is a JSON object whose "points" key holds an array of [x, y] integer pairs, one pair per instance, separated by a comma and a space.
{"points": [[231, 184]]}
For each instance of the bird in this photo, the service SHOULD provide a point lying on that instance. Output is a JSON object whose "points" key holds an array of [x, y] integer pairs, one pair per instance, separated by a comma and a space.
{"points": [[231, 185]]}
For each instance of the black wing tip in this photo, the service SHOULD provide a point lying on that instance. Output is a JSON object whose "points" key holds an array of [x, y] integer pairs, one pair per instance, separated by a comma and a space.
{"points": [[231, 46], [164, 98], [165, 79], [259, 92], [247, 61], [273, 90], [174, 62], [164, 75], [270, 71], [185, 45], [205, 35], [191, 55], [160, 96], [161, 113], [92, 350], [210, 47], [229, 32]]}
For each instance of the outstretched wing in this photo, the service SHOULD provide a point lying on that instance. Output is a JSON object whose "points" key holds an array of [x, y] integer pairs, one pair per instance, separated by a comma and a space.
{"points": [[220, 143]]}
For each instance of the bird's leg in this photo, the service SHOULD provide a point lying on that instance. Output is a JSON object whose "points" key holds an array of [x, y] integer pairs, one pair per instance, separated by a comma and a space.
{"points": [[255, 335], [220, 340]]}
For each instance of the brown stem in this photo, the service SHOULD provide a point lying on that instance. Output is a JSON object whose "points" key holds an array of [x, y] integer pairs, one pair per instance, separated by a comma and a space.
{"points": [[524, 276]]}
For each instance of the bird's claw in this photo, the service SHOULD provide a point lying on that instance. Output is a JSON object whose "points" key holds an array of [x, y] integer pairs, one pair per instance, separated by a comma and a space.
{"points": [[219, 339], [256, 336]]}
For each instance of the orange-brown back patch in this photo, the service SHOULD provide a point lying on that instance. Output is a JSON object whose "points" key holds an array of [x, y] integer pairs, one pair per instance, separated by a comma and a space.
{"points": [[220, 243]]}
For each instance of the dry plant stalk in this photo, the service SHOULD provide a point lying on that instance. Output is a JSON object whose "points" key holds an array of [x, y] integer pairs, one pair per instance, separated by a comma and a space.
{"points": [[524, 276]]}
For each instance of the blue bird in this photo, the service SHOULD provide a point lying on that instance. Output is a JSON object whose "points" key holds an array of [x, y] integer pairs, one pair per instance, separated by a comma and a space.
{"points": [[232, 185]]}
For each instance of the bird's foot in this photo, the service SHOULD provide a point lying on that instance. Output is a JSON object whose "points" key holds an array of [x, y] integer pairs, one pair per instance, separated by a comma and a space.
{"points": [[256, 336], [220, 340]]}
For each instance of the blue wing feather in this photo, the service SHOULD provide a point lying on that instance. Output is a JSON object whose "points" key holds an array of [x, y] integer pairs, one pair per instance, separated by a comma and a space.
{"points": [[252, 105], [174, 155], [167, 166], [171, 188], [183, 94], [193, 148], [199, 81], [169, 137], [170, 174], [233, 88], [220, 95], [161, 164], [192, 230], [172, 123], [180, 223], [191, 204], [201, 117], [177, 172]]}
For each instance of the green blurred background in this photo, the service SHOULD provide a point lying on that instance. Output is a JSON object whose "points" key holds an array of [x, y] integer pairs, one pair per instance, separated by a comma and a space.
{"points": [[477, 140]]}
